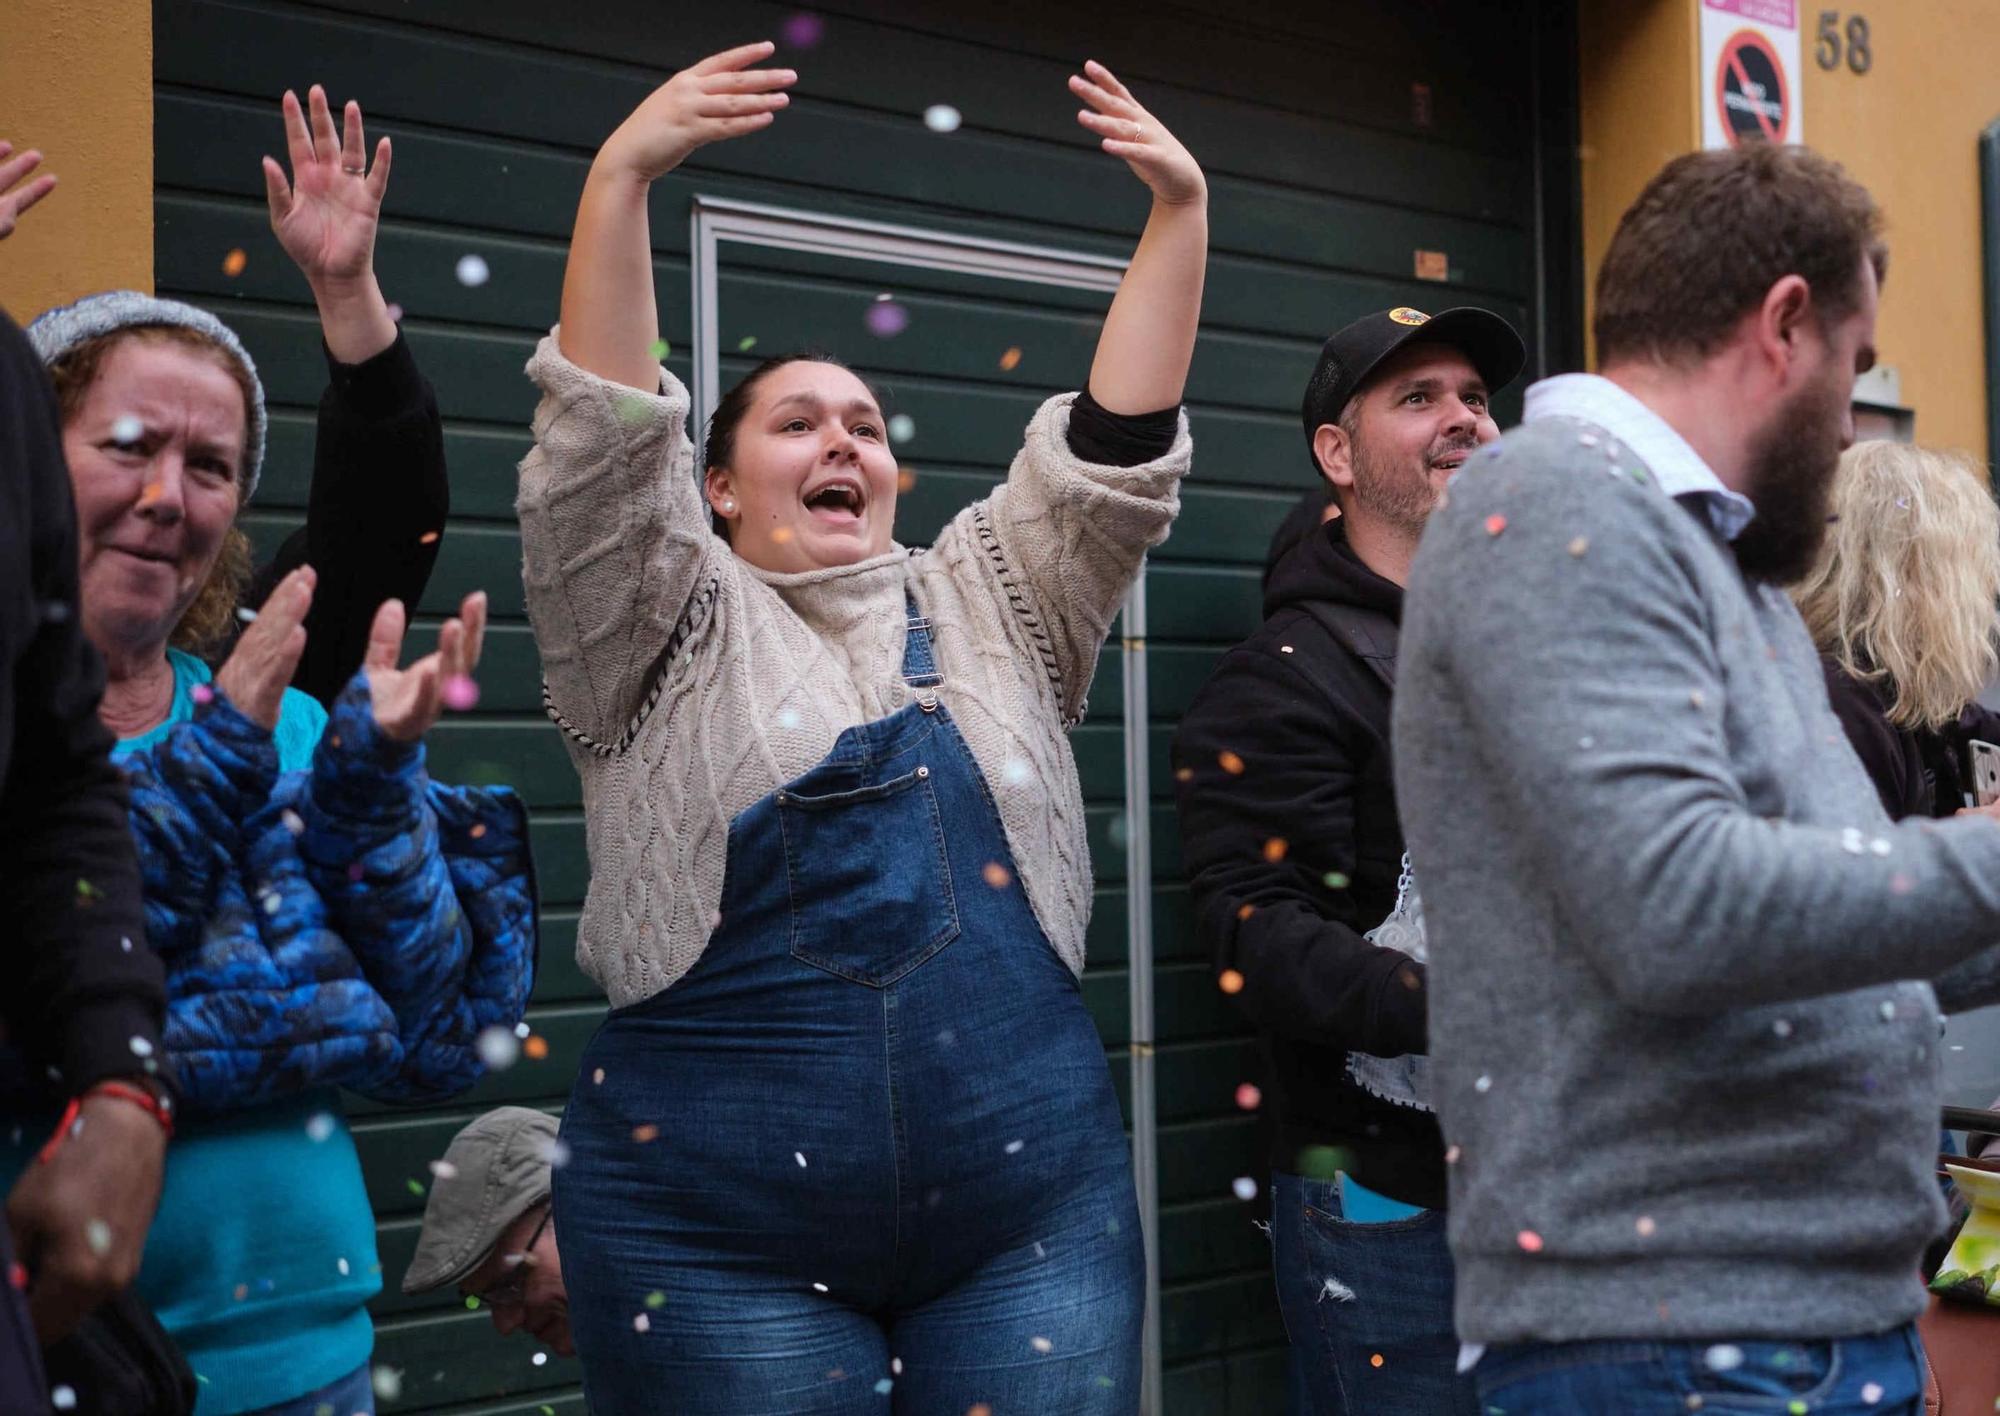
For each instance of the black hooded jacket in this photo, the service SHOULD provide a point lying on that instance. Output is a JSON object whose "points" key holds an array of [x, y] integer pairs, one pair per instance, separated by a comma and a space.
{"points": [[1293, 849]]}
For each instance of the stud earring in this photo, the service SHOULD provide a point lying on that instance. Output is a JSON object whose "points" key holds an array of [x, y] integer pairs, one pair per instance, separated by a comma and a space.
{"points": [[729, 506]]}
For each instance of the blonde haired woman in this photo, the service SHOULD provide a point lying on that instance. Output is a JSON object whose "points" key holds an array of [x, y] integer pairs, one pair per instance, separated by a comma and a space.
{"points": [[1902, 605]]}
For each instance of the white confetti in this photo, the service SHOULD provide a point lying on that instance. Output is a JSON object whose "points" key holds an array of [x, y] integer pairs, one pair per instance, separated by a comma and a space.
{"points": [[554, 1151], [789, 719], [125, 942], [140, 1046], [1871, 1392], [641, 1323], [521, 1029], [1014, 772], [319, 1126], [388, 1383], [800, 1157], [896, 1366], [1852, 841], [444, 1170], [472, 271], [1014, 1147], [1879, 846], [1483, 1085], [884, 1386], [247, 615], [341, 1264], [498, 1048], [942, 118], [540, 1359], [1245, 1188], [902, 427], [294, 823], [1723, 1357], [1888, 1011], [63, 1398], [127, 429], [97, 1234], [597, 1077], [1783, 1027], [819, 1288]]}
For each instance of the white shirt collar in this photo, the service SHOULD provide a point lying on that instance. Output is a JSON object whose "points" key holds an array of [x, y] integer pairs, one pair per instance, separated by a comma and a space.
{"points": [[1675, 467]]}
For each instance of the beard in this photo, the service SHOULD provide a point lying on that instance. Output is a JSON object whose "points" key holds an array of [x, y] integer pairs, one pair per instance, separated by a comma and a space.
{"points": [[1401, 494], [1792, 468]]}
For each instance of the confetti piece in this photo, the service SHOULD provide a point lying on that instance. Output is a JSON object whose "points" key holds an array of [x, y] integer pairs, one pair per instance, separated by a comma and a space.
{"points": [[1334, 880], [127, 430], [1495, 524], [414, 1186], [820, 1288], [646, 1133], [521, 1030], [1248, 1097], [478, 830], [1696, 698], [536, 1048], [63, 1398], [472, 271], [1244, 912], [444, 1170], [1375, 1359], [802, 31], [1530, 1242], [902, 427], [319, 1126], [656, 1300], [97, 1234], [1015, 1147], [1229, 762], [884, 1386], [1015, 772], [1797, 1407], [1723, 1357], [342, 1265], [540, 1359], [1183, 774], [1275, 848], [640, 1322], [659, 349], [554, 1150], [1229, 981], [86, 892], [1888, 1011], [460, 693], [896, 1363], [1012, 358], [241, 1291], [1451, 1155], [1901, 883], [979, 1408], [233, 263], [997, 875], [1646, 1227], [800, 1157], [1879, 847], [942, 118], [294, 823], [498, 1048], [746, 344], [17, 1276], [1782, 1028], [1041, 1345], [1284, 648], [886, 319], [1871, 1392], [597, 1077], [141, 1047], [429, 538], [1579, 545], [781, 535], [125, 943], [395, 313], [906, 479], [1483, 1085]]}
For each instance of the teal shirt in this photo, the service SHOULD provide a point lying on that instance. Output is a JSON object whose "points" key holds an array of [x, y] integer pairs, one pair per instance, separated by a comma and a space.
{"points": [[261, 1259]]}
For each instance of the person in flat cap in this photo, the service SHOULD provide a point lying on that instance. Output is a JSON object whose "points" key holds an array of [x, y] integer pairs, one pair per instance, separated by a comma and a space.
{"points": [[1300, 883], [487, 1226]]}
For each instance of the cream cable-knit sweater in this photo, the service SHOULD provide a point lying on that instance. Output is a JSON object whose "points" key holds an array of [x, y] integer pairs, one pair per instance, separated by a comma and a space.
{"points": [[691, 684]]}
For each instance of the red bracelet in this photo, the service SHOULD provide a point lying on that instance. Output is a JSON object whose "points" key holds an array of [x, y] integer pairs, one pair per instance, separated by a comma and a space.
{"points": [[160, 1109]]}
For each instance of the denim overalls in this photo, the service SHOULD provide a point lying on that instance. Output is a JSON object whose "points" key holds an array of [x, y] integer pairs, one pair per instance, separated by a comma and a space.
{"points": [[865, 1156]]}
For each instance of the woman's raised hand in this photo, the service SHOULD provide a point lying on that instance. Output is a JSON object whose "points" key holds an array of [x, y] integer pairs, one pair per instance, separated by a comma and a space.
{"points": [[325, 217], [255, 674], [407, 701], [717, 98], [1130, 132], [16, 199]]}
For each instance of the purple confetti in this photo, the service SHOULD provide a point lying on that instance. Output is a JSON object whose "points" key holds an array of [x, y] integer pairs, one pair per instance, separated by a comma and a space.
{"points": [[886, 319], [802, 31]]}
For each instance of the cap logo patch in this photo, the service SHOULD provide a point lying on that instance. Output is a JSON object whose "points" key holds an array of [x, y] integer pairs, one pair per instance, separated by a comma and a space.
{"points": [[1403, 314]]}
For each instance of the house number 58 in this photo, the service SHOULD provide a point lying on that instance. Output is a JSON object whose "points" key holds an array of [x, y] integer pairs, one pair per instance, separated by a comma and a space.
{"points": [[1829, 46]]}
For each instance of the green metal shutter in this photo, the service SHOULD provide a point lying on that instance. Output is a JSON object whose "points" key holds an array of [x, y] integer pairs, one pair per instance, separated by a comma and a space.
{"points": [[1340, 140]]}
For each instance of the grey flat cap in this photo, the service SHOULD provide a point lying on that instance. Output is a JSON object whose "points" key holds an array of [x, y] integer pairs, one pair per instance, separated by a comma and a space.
{"points": [[493, 1172], [55, 332]]}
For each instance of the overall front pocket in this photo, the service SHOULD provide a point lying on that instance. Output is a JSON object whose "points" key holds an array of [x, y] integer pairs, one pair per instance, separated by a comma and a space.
{"points": [[870, 880]]}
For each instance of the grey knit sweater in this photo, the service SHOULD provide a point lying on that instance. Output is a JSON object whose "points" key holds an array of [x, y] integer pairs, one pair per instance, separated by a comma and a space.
{"points": [[1688, 1089]]}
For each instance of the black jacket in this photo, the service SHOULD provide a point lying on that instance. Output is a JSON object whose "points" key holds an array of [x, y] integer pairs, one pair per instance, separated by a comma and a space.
{"points": [[1293, 848], [375, 512], [1916, 773], [82, 992]]}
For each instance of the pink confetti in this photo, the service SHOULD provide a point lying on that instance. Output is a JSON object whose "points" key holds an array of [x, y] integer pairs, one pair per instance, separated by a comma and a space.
{"points": [[1495, 524], [886, 319], [1530, 1242], [802, 31], [1248, 1097], [460, 693], [201, 693]]}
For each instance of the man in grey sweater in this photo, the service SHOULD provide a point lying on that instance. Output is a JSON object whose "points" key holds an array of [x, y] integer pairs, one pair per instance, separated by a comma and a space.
{"points": [[1689, 1090]]}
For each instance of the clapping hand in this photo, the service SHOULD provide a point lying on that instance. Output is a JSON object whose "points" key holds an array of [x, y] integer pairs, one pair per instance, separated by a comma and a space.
{"points": [[1130, 132], [719, 97], [16, 199], [407, 701], [254, 676]]}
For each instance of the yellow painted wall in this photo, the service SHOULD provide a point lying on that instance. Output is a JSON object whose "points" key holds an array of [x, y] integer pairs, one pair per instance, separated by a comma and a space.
{"points": [[1908, 129], [76, 81]]}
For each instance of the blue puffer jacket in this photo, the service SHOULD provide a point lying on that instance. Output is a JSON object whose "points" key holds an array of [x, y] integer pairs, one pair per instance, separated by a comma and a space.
{"points": [[357, 924]]}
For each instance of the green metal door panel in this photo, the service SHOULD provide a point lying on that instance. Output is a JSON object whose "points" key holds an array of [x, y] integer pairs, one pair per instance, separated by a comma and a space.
{"points": [[1341, 140]]}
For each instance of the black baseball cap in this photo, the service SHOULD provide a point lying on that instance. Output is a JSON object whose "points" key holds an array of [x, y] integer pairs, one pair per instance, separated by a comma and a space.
{"points": [[1352, 354]]}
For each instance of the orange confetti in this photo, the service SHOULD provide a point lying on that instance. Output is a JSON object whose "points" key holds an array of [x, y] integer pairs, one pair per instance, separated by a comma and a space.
{"points": [[429, 538], [1530, 1242], [151, 493], [906, 479], [1011, 357], [478, 831], [1184, 774], [1229, 981], [646, 1133], [1495, 524], [1245, 911], [979, 1408], [242, 1291], [1376, 1360], [536, 1047], [233, 263], [1275, 848], [1231, 763], [997, 875], [781, 535]]}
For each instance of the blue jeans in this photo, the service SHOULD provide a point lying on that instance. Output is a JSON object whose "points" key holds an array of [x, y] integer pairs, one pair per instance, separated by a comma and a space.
{"points": [[1878, 1375], [887, 1171], [1367, 1305], [351, 1395]]}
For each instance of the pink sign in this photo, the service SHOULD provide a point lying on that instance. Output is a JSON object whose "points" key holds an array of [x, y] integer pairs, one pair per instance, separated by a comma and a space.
{"points": [[1784, 14]]}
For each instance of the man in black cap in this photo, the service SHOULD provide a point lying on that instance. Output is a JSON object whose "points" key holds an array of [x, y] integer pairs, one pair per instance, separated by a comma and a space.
{"points": [[1301, 887]]}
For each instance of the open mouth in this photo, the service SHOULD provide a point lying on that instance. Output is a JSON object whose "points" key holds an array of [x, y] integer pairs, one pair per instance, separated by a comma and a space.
{"points": [[838, 501], [1451, 461]]}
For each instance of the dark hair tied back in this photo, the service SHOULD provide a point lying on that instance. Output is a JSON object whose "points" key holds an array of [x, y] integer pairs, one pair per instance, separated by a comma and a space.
{"points": [[719, 449]]}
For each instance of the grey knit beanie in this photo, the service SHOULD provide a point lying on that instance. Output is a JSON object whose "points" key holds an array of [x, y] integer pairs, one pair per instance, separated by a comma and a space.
{"points": [[55, 332]]}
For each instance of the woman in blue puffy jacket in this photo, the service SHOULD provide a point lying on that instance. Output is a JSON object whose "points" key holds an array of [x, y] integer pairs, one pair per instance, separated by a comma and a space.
{"points": [[328, 916]]}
